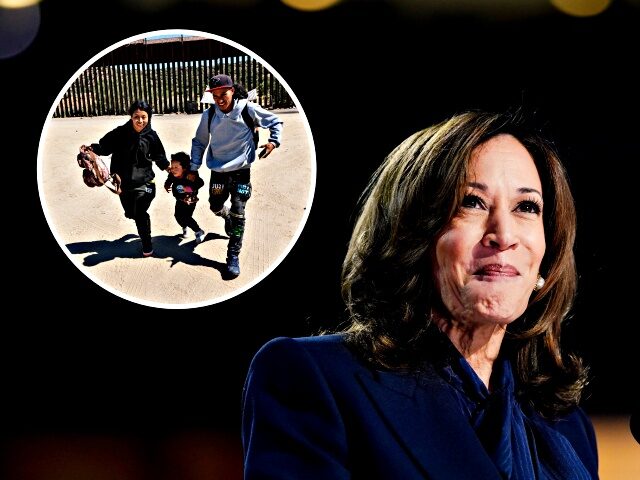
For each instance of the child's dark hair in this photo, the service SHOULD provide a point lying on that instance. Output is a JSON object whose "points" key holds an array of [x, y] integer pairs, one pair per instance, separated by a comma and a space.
{"points": [[182, 158]]}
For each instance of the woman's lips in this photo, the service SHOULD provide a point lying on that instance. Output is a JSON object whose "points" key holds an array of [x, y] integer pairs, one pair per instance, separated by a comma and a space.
{"points": [[497, 270]]}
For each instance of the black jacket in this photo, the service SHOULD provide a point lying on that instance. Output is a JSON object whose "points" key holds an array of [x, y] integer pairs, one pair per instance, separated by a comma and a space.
{"points": [[183, 189], [132, 153]]}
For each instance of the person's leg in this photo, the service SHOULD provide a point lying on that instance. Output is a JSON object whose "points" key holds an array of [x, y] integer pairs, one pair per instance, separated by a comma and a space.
{"points": [[219, 189], [128, 202], [135, 203], [187, 220], [181, 216], [240, 194], [141, 202]]}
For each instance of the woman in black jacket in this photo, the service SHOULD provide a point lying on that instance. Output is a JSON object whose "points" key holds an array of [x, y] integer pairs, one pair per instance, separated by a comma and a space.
{"points": [[133, 146]]}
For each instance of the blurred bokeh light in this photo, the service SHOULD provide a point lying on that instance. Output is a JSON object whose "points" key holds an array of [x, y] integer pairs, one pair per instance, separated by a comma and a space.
{"points": [[194, 455], [310, 5], [581, 8], [183, 456], [18, 29], [18, 3], [618, 452]]}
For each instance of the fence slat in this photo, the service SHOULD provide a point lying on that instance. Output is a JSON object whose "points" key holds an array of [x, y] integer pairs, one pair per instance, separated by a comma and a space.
{"points": [[169, 74]]}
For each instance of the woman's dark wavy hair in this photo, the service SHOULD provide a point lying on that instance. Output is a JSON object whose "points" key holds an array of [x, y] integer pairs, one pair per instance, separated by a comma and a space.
{"points": [[239, 91], [387, 277], [141, 105]]}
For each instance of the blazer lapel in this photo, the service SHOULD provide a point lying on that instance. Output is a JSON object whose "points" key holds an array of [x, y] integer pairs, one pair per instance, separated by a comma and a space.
{"points": [[425, 417]]}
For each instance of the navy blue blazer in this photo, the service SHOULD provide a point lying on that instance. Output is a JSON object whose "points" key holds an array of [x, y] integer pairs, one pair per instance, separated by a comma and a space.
{"points": [[313, 410]]}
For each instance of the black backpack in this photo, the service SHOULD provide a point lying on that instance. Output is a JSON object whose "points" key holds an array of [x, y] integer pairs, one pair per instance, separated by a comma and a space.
{"points": [[245, 116]]}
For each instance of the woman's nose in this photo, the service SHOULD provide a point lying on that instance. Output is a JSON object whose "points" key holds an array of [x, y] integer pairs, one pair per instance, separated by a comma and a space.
{"points": [[500, 231]]}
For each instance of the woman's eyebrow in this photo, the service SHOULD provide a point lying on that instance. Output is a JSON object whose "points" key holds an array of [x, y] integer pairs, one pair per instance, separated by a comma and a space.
{"points": [[529, 190], [483, 187], [479, 186]]}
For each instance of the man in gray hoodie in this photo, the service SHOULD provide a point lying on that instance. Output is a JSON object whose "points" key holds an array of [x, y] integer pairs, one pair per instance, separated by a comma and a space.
{"points": [[229, 128]]}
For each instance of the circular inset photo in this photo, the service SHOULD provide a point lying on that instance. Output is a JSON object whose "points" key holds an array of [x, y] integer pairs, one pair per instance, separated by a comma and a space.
{"points": [[176, 169]]}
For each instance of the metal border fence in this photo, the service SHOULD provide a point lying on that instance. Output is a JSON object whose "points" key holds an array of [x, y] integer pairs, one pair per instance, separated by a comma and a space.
{"points": [[170, 74]]}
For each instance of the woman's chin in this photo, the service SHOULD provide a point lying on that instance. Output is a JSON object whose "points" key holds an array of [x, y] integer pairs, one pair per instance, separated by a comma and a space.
{"points": [[491, 311], [501, 301]]}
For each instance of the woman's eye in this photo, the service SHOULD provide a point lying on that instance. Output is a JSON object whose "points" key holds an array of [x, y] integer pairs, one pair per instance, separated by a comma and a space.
{"points": [[472, 201], [529, 206]]}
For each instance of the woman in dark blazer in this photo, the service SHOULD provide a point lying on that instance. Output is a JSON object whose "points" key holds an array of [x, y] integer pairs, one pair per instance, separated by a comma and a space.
{"points": [[459, 273]]}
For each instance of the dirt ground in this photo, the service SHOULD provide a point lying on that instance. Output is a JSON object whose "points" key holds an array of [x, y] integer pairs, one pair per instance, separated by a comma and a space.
{"points": [[90, 226]]}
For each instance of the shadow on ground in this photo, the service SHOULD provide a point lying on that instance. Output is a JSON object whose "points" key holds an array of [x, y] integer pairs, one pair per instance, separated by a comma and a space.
{"points": [[164, 246]]}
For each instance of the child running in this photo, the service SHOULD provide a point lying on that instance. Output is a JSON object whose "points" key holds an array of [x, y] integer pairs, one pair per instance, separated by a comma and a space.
{"points": [[186, 193]]}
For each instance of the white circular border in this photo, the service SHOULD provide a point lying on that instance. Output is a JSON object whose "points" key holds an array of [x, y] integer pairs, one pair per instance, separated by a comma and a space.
{"points": [[273, 264]]}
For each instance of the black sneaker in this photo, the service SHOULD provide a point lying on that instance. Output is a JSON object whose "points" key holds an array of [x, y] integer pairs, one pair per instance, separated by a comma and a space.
{"points": [[147, 249], [233, 266]]}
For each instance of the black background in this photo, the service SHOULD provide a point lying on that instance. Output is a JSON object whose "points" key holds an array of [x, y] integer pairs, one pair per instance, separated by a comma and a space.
{"points": [[76, 359]]}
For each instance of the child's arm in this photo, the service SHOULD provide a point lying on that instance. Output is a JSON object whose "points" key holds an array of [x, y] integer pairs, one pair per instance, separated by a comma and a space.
{"points": [[169, 182]]}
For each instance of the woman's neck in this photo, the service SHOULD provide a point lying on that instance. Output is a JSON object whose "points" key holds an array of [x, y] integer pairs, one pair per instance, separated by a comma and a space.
{"points": [[478, 344]]}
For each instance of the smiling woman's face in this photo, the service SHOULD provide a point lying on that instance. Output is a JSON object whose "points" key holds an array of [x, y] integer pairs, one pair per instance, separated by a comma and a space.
{"points": [[487, 260], [140, 118]]}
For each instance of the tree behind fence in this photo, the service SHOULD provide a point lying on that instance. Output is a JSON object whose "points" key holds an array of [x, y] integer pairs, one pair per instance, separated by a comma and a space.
{"points": [[174, 85]]}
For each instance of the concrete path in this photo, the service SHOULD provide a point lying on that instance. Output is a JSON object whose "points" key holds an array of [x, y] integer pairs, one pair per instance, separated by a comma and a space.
{"points": [[90, 226]]}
